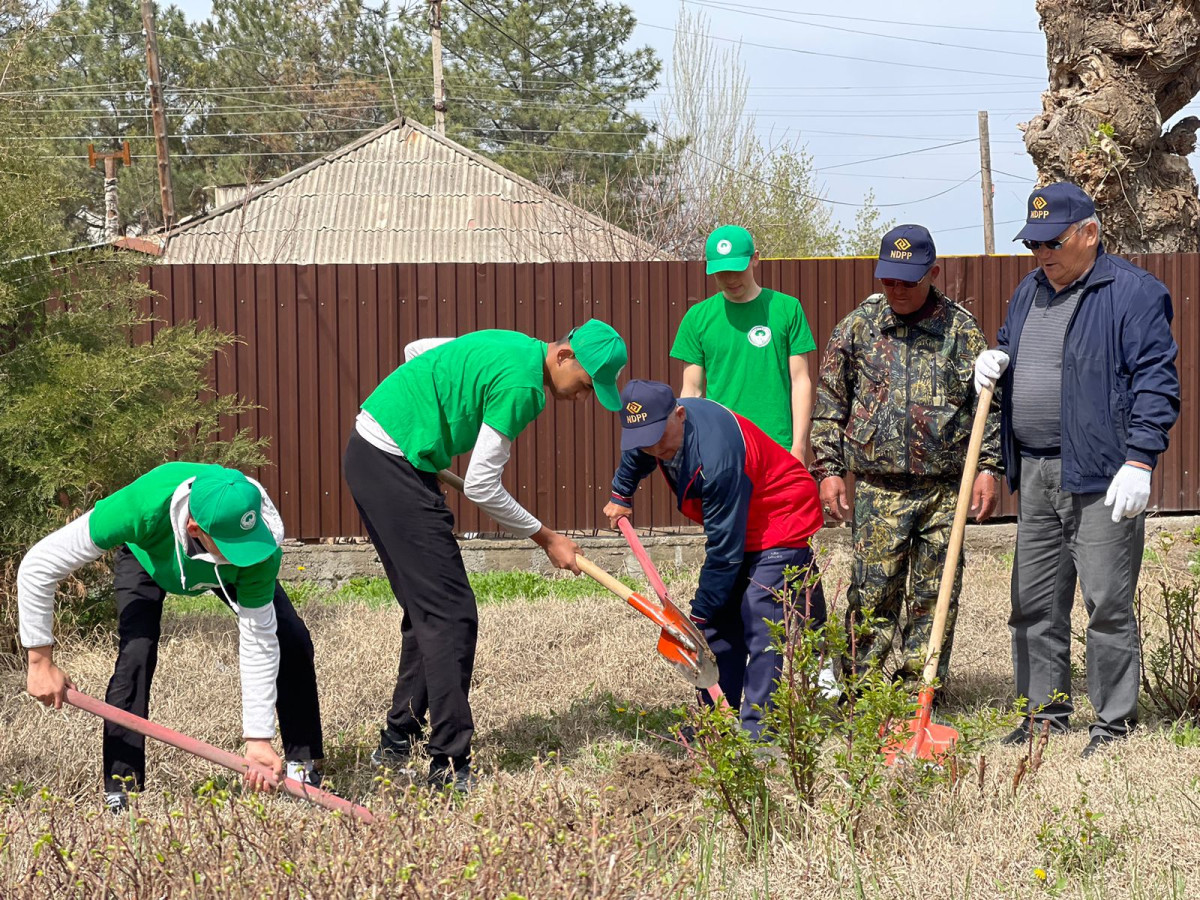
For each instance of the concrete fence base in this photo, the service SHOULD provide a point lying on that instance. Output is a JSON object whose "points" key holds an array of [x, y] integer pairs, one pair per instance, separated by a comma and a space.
{"points": [[333, 564]]}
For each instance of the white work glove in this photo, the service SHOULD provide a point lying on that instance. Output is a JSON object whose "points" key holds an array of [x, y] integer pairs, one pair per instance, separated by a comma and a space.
{"points": [[989, 366], [1129, 492]]}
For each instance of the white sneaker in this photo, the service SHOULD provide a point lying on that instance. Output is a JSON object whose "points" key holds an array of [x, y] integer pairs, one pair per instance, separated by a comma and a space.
{"points": [[830, 689], [116, 802], [304, 771]]}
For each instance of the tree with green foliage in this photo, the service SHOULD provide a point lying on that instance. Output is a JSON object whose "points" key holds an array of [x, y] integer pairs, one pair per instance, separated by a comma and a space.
{"points": [[280, 83], [546, 89], [87, 401]]}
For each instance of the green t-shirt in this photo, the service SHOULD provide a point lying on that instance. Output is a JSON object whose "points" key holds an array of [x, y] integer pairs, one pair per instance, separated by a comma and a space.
{"points": [[434, 405], [139, 516], [744, 349]]}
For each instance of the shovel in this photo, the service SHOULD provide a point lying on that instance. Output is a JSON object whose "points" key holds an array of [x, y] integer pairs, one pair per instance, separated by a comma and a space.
{"points": [[221, 757], [680, 642], [672, 613], [681, 646], [921, 738]]}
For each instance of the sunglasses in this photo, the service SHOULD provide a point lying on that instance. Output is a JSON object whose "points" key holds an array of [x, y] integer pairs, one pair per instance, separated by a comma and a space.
{"points": [[896, 282], [1049, 245]]}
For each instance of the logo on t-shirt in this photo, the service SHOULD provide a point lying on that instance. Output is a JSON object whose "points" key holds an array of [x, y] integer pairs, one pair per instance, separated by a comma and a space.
{"points": [[724, 247], [759, 335]]}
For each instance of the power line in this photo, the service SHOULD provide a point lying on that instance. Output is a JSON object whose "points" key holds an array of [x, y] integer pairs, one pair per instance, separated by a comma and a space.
{"points": [[186, 137], [855, 59], [894, 155], [206, 155], [980, 225], [487, 20], [857, 31], [879, 21]]}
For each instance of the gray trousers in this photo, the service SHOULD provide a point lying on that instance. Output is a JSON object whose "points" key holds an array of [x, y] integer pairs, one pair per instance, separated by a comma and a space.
{"points": [[1062, 537]]}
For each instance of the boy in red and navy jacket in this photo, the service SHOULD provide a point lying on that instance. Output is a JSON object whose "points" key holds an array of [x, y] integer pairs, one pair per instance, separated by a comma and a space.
{"points": [[759, 507]]}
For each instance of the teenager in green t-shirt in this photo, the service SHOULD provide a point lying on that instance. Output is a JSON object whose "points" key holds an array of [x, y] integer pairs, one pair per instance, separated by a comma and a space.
{"points": [[184, 528], [473, 394], [745, 347]]}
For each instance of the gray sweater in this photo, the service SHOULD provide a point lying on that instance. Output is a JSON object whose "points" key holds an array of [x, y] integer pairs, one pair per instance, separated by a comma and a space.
{"points": [[1037, 376]]}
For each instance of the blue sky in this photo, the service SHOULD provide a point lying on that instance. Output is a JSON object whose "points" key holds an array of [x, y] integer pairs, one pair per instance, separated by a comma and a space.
{"points": [[859, 81]]}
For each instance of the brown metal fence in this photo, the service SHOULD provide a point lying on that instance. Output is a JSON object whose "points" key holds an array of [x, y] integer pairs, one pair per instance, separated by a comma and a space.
{"points": [[317, 340]]}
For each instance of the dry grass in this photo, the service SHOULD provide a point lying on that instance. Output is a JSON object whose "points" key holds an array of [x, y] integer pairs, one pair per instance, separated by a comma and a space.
{"points": [[583, 801]]}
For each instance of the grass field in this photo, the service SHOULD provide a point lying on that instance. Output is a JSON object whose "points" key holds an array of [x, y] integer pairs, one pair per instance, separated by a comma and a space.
{"points": [[583, 797]]}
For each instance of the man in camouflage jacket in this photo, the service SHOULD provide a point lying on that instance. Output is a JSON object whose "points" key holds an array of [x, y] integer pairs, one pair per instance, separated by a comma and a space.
{"points": [[894, 406]]}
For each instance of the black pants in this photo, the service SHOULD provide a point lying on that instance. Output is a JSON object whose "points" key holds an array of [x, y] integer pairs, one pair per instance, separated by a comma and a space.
{"points": [[139, 620], [412, 529]]}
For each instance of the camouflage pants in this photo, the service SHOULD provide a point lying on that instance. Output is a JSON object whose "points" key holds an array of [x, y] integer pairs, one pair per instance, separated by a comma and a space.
{"points": [[901, 533]]}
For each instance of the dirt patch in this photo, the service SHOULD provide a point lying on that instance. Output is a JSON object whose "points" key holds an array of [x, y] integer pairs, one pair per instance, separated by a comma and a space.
{"points": [[642, 782]]}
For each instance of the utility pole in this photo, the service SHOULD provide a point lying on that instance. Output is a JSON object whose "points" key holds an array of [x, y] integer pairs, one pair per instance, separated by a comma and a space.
{"points": [[439, 83], [985, 182], [158, 115], [112, 219]]}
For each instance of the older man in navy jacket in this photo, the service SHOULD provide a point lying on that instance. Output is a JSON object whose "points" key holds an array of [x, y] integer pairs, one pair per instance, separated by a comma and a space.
{"points": [[758, 506], [1086, 362]]}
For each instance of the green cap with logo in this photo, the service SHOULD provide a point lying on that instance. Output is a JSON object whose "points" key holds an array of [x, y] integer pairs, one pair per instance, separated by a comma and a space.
{"points": [[228, 508], [601, 352], [728, 249]]}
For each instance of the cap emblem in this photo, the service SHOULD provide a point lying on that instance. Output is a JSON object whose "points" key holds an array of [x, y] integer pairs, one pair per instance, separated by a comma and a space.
{"points": [[903, 244], [633, 406], [249, 520], [1039, 202], [723, 247]]}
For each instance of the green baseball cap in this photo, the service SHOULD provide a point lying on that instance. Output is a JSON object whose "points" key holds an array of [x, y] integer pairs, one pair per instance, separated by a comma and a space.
{"points": [[728, 249], [601, 352], [228, 508]]}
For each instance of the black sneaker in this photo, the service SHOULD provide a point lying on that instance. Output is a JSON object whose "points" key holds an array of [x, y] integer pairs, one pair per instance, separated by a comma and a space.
{"points": [[116, 802], [442, 776], [1098, 742], [1020, 734], [394, 752]]}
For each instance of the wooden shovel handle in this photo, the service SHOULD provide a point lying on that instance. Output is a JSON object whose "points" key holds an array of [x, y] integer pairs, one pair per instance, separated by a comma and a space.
{"points": [[597, 574], [937, 634]]}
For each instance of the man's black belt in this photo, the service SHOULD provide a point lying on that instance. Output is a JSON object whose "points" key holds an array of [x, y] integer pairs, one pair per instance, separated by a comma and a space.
{"points": [[1041, 452]]}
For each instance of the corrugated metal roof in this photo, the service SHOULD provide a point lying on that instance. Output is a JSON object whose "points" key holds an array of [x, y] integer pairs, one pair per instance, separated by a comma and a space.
{"points": [[402, 194]]}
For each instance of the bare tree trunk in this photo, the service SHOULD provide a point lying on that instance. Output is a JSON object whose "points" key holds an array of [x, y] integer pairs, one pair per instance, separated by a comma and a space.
{"points": [[1118, 70]]}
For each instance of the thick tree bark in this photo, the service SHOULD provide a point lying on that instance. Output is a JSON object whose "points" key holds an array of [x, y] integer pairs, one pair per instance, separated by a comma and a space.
{"points": [[1119, 69]]}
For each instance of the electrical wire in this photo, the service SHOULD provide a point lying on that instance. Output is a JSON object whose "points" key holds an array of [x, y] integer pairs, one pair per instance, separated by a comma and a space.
{"points": [[860, 32], [855, 59], [487, 20], [939, 26], [895, 155]]}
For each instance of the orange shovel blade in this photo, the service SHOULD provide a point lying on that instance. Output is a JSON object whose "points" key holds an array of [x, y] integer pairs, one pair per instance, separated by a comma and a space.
{"points": [[921, 738]]}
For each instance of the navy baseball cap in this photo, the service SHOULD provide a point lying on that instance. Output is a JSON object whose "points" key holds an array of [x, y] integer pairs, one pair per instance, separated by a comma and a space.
{"points": [[906, 252], [1053, 209], [645, 406]]}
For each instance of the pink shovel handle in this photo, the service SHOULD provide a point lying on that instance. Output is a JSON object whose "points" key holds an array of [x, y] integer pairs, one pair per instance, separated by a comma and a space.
{"points": [[643, 558], [221, 757], [660, 588]]}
